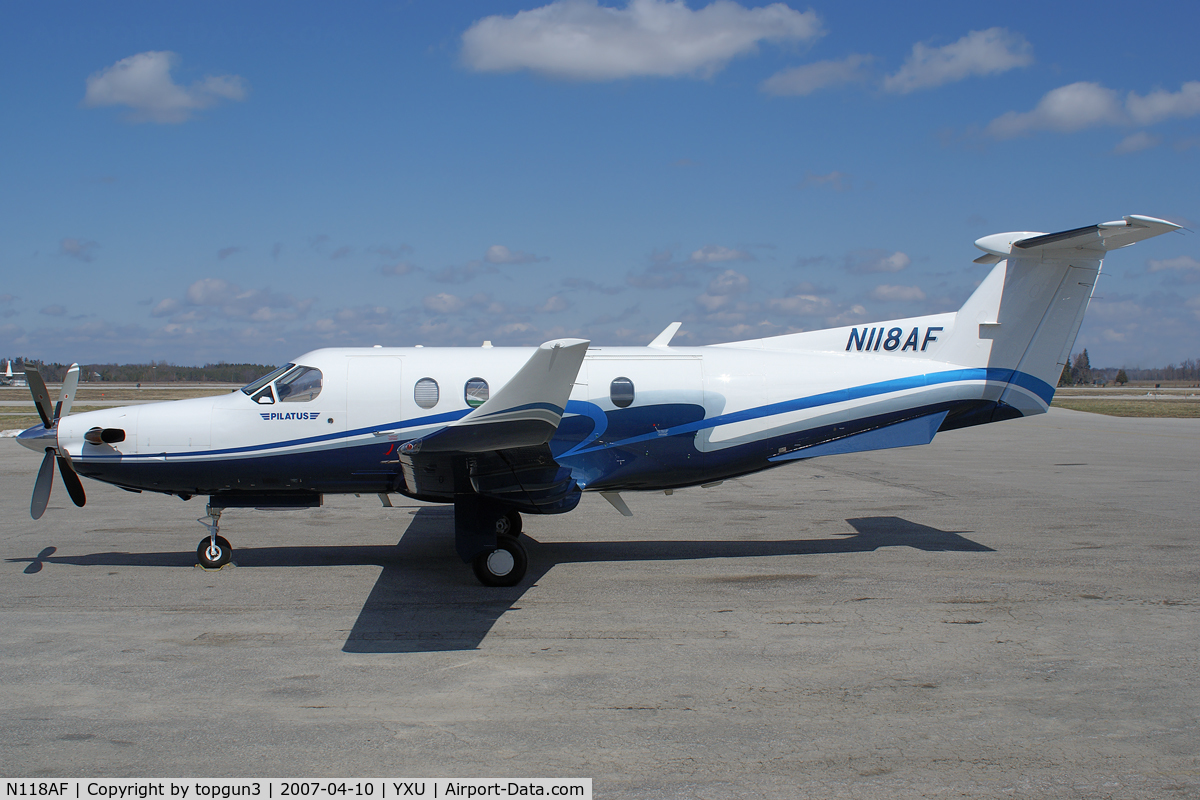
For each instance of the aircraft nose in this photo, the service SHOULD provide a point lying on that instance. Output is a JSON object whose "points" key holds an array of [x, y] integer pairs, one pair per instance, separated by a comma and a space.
{"points": [[38, 438]]}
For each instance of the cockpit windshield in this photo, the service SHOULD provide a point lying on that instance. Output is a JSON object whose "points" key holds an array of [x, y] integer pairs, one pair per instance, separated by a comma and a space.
{"points": [[299, 386], [251, 388]]}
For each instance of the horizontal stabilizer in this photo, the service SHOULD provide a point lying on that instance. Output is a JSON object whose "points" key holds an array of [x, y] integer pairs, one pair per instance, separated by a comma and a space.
{"points": [[901, 434], [1094, 239]]}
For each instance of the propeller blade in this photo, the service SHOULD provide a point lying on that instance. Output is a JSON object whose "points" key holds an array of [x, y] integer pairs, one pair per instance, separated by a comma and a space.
{"points": [[41, 397], [67, 396], [41, 489], [71, 479]]}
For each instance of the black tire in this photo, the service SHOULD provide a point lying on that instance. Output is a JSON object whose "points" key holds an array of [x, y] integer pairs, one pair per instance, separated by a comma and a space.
{"points": [[509, 524], [214, 560], [504, 566]]}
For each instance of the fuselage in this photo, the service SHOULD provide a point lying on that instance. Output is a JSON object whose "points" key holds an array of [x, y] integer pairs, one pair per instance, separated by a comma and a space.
{"points": [[638, 418]]}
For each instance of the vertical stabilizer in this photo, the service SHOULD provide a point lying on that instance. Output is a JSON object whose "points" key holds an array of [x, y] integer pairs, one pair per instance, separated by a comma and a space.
{"points": [[1048, 279]]}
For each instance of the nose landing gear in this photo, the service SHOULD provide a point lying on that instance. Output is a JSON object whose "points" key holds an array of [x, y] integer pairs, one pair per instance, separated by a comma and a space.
{"points": [[214, 551]]}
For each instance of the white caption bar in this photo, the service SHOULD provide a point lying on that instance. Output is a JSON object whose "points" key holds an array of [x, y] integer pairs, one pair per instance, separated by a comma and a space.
{"points": [[342, 789]]}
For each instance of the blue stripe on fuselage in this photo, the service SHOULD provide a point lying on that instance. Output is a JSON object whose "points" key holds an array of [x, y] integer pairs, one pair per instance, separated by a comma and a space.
{"points": [[1042, 389]]}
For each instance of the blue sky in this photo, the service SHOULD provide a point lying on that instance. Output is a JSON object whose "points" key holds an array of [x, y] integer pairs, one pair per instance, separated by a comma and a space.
{"points": [[248, 181]]}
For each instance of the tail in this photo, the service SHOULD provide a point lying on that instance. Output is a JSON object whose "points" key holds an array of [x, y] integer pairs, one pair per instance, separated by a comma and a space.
{"points": [[1011, 337], [1027, 312]]}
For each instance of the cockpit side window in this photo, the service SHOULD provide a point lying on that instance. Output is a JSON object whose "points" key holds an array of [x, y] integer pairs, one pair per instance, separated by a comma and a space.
{"points": [[299, 386], [264, 397], [252, 388]]}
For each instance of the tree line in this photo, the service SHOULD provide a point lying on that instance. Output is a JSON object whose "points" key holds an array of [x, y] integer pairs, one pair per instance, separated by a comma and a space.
{"points": [[1078, 371], [154, 372]]}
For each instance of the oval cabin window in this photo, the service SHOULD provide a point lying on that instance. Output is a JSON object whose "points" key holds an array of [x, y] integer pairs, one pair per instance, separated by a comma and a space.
{"points": [[621, 392], [426, 393], [476, 392]]}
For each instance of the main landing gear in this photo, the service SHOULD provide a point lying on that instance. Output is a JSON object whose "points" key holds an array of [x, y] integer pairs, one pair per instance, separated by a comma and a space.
{"points": [[214, 551], [504, 566], [487, 536]]}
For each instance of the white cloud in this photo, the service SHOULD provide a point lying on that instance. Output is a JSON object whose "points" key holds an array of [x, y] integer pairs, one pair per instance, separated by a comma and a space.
{"points": [[499, 254], [553, 304], [399, 268], [711, 302], [443, 303], [165, 307], [729, 282], [978, 53], [897, 293], [715, 253], [800, 305], [1083, 105], [143, 83], [1067, 108], [78, 248], [1136, 142], [865, 262], [1160, 105], [722, 289], [209, 297], [1181, 264], [582, 40], [806, 79], [1194, 304], [210, 291]]}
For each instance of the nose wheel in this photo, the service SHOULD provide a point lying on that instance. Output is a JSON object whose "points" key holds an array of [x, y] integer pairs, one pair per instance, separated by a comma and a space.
{"points": [[214, 550]]}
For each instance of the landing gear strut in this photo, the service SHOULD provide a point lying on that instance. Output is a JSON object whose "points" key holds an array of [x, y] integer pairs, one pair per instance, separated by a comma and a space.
{"points": [[509, 524], [214, 551], [486, 537]]}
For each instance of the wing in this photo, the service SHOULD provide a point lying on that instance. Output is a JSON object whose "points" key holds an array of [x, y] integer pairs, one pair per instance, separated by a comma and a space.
{"points": [[500, 449]]}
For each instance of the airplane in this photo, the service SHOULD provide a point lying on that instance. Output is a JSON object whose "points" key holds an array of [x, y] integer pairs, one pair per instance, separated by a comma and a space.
{"points": [[505, 431], [7, 378]]}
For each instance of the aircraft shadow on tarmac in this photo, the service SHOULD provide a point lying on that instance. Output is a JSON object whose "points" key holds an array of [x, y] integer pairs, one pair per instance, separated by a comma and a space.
{"points": [[424, 600]]}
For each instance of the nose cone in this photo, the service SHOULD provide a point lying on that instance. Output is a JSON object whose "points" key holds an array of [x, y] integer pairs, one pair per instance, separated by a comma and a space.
{"points": [[39, 438]]}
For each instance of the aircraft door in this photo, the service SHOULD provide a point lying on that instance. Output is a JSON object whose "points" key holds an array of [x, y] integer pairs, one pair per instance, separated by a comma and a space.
{"points": [[373, 392]]}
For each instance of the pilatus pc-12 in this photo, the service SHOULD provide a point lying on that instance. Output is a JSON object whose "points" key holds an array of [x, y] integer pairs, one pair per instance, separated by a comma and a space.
{"points": [[505, 431]]}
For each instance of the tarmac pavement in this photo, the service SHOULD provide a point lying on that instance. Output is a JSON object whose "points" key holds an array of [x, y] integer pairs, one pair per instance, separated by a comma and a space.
{"points": [[1010, 611]]}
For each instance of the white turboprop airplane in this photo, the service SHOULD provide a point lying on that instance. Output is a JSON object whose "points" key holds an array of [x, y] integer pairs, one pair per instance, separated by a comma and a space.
{"points": [[566, 417]]}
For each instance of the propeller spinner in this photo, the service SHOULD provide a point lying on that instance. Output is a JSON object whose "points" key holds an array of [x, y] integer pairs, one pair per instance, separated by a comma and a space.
{"points": [[46, 438]]}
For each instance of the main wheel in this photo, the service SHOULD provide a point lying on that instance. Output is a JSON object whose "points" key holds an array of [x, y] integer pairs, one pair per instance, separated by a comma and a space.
{"points": [[504, 566], [509, 524], [214, 557]]}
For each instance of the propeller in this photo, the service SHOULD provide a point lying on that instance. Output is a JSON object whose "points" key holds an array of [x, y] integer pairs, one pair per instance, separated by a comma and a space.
{"points": [[48, 437]]}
